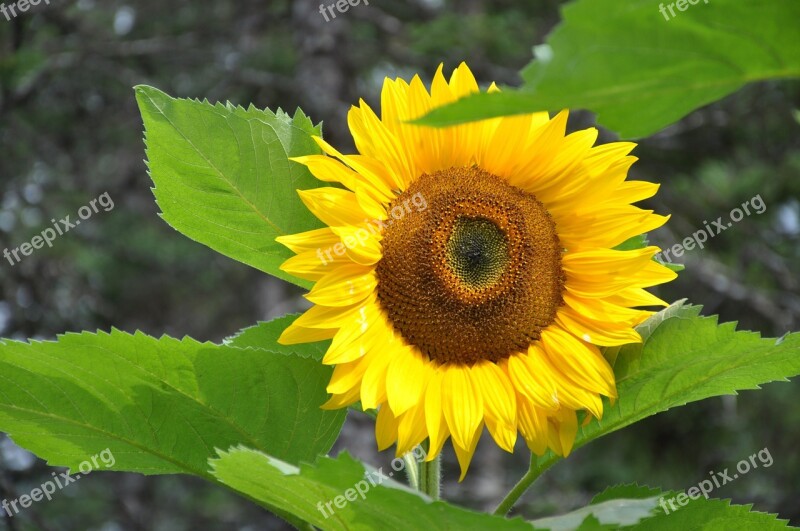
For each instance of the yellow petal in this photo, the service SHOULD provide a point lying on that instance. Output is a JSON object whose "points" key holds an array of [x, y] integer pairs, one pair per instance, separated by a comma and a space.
{"points": [[608, 227], [599, 265], [564, 391], [373, 384], [434, 416], [297, 334], [373, 139], [599, 333], [567, 429], [532, 378], [543, 146], [411, 429], [361, 243], [579, 361], [309, 241], [532, 425], [633, 191], [347, 376], [499, 403], [333, 206], [602, 309], [372, 170], [406, 379], [635, 297], [462, 82], [385, 428], [364, 332], [344, 286], [330, 317], [313, 265], [463, 407], [329, 169], [602, 273], [339, 401], [464, 453]]}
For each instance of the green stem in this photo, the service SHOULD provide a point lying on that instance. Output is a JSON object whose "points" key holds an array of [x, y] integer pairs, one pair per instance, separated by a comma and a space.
{"points": [[412, 470], [424, 476], [538, 466], [430, 473]]}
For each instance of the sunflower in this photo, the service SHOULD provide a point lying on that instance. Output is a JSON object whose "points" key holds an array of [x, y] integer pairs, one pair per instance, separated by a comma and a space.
{"points": [[467, 275]]}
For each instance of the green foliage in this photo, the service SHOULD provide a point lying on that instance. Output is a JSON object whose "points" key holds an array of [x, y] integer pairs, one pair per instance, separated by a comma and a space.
{"points": [[369, 499], [250, 407], [161, 406], [686, 357], [640, 72], [265, 335], [222, 175], [387, 505], [637, 507], [617, 512]]}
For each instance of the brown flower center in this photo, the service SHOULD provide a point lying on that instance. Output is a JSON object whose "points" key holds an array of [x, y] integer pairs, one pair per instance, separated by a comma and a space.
{"points": [[474, 276]]}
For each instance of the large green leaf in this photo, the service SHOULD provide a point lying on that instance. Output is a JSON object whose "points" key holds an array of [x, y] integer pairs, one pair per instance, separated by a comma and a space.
{"points": [[265, 335], [223, 176], [343, 494], [684, 357], [634, 507], [310, 493], [161, 405], [641, 72], [616, 507]]}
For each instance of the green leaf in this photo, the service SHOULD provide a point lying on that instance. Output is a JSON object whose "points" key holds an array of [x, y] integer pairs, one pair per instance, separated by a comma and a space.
{"points": [[619, 513], [645, 330], [223, 177], [711, 515], [637, 507], [683, 357], [640, 72], [161, 405], [632, 491], [265, 335], [686, 357], [310, 493]]}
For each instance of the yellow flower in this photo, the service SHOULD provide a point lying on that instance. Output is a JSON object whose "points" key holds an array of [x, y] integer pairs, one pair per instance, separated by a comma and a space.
{"points": [[467, 274]]}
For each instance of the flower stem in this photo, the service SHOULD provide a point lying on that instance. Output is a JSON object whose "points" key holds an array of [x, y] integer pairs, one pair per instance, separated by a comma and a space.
{"points": [[538, 466], [412, 471], [430, 476], [424, 476]]}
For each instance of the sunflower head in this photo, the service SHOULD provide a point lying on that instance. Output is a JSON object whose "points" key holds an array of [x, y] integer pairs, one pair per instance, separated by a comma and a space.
{"points": [[477, 275], [467, 275]]}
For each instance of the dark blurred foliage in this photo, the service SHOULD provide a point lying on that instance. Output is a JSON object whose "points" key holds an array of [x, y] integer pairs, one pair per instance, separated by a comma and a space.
{"points": [[70, 131]]}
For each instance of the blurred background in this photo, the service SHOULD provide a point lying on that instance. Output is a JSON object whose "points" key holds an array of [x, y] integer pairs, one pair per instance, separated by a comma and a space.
{"points": [[70, 131]]}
